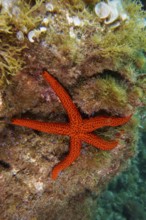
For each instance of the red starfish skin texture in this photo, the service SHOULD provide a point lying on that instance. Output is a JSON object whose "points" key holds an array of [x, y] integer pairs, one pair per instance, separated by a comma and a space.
{"points": [[77, 129]]}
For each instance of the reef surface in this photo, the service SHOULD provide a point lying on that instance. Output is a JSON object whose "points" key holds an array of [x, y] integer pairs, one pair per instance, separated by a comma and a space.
{"points": [[100, 60]]}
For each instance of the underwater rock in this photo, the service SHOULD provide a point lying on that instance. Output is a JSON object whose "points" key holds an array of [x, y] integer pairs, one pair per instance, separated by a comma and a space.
{"points": [[99, 67]]}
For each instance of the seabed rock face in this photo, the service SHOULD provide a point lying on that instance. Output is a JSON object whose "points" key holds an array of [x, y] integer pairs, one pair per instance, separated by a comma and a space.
{"points": [[101, 65], [28, 192]]}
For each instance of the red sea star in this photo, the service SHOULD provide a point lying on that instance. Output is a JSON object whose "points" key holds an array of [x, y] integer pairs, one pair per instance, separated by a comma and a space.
{"points": [[77, 129]]}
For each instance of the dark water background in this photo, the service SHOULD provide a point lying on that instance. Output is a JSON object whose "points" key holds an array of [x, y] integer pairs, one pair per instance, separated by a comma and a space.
{"points": [[144, 4]]}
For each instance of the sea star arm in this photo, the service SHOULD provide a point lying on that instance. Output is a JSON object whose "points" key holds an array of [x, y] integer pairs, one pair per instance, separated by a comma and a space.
{"points": [[98, 142], [75, 148], [92, 124], [78, 129], [65, 99], [48, 127]]}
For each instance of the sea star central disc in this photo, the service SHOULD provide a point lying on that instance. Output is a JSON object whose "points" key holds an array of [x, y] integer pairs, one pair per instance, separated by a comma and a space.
{"points": [[77, 129]]}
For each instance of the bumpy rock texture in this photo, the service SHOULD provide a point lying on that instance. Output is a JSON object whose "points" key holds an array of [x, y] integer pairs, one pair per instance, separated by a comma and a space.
{"points": [[102, 67]]}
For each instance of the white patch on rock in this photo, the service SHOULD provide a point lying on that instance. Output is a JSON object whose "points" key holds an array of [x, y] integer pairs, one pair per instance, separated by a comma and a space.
{"points": [[20, 35], [111, 12], [49, 7], [36, 33]]}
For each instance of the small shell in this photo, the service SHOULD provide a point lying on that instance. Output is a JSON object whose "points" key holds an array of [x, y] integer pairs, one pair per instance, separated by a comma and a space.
{"points": [[46, 21], [49, 7], [111, 12], [20, 35], [114, 14], [124, 16], [102, 10], [76, 21], [35, 33], [42, 29], [115, 25], [32, 34]]}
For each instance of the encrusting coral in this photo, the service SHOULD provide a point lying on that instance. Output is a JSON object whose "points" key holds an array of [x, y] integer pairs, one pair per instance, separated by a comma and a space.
{"points": [[102, 66]]}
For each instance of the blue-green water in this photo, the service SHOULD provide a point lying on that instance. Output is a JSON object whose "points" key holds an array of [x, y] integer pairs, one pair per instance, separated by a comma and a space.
{"points": [[125, 197]]}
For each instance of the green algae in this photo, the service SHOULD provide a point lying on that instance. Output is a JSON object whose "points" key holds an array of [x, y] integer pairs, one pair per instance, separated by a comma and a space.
{"points": [[121, 46], [124, 44], [11, 60], [126, 41]]}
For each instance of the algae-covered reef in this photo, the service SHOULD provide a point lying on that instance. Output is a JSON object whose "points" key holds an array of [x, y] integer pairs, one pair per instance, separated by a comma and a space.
{"points": [[99, 57]]}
